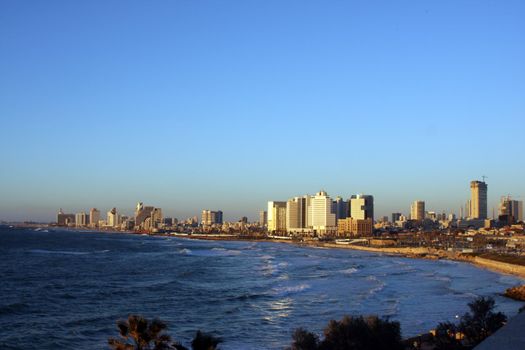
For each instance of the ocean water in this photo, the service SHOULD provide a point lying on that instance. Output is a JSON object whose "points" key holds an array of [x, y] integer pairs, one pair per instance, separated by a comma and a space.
{"points": [[65, 290]]}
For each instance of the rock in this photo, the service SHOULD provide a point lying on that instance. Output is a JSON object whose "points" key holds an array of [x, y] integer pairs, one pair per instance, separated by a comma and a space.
{"points": [[516, 293]]}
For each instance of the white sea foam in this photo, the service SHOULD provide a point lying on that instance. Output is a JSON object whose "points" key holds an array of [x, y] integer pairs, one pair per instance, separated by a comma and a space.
{"points": [[185, 251], [61, 252], [349, 271], [291, 289]]}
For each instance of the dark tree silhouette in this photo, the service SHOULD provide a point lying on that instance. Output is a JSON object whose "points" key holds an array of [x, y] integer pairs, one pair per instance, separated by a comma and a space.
{"points": [[445, 338], [352, 333], [304, 340], [138, 333], [481, 321], [203, 341], [362, 333]]}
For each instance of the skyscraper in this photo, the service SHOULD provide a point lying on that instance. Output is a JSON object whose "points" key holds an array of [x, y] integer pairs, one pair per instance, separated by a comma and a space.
{"points": [[276, 216], [263, 218], [396, 217], [362, 207], [94, 217], [511, 208], [478, 200], [112, 218], [210, 217], [296, 214], [65, 219], [320, 215], [340, 208], [81, 219], [417, 211]]}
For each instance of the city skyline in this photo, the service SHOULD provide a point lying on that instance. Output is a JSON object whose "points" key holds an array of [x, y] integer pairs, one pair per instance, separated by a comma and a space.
{"points": [[463, 211], [228, 105]]}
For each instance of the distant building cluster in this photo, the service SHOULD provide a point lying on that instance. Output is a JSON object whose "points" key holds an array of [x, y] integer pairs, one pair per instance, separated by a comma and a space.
{"points": [[315, 215], [320, 215]]}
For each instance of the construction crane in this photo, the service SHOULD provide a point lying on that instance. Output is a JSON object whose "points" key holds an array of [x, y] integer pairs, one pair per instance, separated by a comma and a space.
{"points": [[484, 177]]}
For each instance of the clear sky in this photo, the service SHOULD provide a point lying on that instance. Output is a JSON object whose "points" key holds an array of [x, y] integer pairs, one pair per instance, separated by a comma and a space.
{"points": [[228, 104]]}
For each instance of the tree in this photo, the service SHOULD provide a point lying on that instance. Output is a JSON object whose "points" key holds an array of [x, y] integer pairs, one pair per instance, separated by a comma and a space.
{"points": [[138, 333], [445, 338], [481, 321], [362, 333], [203, 341], [304, 340], [352, 333]]}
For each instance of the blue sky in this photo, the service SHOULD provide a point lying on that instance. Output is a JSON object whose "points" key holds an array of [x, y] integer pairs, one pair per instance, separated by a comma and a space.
{"points": [[227, 104]]}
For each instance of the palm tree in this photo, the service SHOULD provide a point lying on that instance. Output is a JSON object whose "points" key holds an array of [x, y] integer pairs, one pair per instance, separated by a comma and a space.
{"points": [[138, 333], [481, 321]]}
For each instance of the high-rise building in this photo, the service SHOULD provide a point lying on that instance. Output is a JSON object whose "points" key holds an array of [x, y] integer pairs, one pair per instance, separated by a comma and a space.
{"points": [[417, 211], [396, 217], [296, 214], [340, 208], [210, 217], [156, 217], [141, 214], [112, 218], [276, 216], [320, 215], [65, 219], [81, 219], [511, 208], [94, 217], [362, 207], [263, 218], [478, 200]]}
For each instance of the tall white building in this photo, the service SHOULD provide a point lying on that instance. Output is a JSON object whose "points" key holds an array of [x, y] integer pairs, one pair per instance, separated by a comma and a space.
{"points": [[320, 215], [81, 219], [362, 207], [211, 217], [276, 216], [112, 218]]}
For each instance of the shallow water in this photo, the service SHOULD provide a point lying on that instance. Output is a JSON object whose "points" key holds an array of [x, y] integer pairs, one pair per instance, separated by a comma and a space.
{"points": [[63, 289]]}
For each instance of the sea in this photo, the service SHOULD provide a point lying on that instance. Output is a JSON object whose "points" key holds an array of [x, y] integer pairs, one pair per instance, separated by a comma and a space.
{"points": [[63, 289]]}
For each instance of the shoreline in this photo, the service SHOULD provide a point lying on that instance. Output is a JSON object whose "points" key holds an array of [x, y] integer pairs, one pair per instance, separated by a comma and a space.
{"points": [[424, 253]]}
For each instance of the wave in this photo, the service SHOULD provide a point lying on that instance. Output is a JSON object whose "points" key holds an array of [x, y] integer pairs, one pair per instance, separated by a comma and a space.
{"points": [[226, 252], [349, 271], [185, 251], [61, 252], [282, 291]]}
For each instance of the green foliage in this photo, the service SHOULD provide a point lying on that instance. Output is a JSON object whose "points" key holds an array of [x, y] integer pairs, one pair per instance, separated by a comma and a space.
{"points": [[352, 333], [445, 338], [304, 340], [137, 333], [481, 321]]}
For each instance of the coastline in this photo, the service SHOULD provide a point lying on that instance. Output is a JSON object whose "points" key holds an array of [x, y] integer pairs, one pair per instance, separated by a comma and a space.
{"points": [[406, 252]]}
